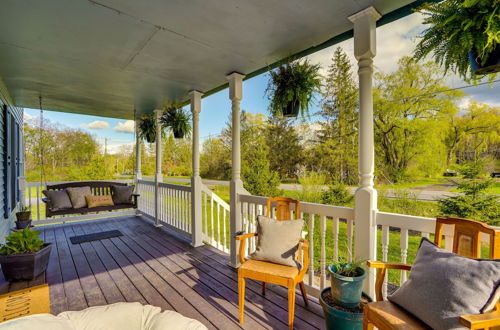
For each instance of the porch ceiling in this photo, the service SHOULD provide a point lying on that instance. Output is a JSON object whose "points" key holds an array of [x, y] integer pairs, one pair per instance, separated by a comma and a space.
{"points": [[106, 57]]}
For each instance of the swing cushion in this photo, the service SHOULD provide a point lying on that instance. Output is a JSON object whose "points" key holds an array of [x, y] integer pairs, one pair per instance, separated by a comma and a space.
{"points": [[95, 201], [77, 196], [122, 194], [58, 199]]}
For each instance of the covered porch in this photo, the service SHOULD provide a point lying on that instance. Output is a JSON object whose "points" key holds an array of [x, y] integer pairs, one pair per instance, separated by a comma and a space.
{"points": [[150, 266]]}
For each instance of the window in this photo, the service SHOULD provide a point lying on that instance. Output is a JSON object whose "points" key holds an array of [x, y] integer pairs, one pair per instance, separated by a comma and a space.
{"points": [[11, 135]]}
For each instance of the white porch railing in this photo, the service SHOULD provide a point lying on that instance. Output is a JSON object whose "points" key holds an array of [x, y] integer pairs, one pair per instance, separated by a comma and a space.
{"points": [[174, 209], [33, 199], [215, 221]]}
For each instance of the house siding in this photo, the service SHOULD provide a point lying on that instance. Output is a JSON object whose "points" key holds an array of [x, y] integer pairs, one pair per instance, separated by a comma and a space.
{"points": [[13, 117]]}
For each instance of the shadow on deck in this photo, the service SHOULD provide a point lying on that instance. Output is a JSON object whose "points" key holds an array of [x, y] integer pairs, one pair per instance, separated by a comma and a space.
{"points": [[150, 266]]}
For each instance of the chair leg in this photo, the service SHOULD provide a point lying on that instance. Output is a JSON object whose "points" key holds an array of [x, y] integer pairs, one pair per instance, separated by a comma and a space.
{"points": [[241, 297], [304, 293], [263, 288], [367, 325], [291, 304]]}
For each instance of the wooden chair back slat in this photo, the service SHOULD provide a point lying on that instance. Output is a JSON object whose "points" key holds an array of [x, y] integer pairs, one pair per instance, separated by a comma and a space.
{"points": [[467, 237], [283, 208]]}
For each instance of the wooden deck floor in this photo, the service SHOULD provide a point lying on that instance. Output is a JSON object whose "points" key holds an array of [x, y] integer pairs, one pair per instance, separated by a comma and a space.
{"points": [[152, 267]]}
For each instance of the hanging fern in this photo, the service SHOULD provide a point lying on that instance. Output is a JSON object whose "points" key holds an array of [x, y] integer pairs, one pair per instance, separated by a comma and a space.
{"points": [[295, 81], [457, 27], [178, 120], [147, 128]]}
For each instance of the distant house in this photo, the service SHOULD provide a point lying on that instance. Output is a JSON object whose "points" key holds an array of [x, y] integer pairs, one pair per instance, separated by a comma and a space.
{"points": [[11, 156]]}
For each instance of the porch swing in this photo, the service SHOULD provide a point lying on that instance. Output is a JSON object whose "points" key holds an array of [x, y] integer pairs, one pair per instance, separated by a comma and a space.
{"points": [[54, 207]]}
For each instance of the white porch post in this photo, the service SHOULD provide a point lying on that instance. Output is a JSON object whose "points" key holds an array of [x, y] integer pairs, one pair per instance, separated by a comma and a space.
{"points": [[138, 164], [158, 175], [196, 229], [236, 185], [365, 207]]}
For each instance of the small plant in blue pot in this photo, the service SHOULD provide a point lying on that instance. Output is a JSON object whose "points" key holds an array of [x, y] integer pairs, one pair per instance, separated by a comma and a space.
{"points": [[347, 282], [343, 302]]}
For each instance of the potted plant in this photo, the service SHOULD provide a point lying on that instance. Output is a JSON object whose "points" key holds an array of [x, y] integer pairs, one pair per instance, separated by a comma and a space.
{"points": [[178, 120], [292, 88], [147, 128], [24, 256], [343, 302], [462, 35], [23, 217]]}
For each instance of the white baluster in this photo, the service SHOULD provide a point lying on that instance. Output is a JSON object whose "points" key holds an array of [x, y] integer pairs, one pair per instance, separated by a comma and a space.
{"points": [[323, 251], [385, 251], [311, 249], [350, 234], [335, 230], [404, 251]]}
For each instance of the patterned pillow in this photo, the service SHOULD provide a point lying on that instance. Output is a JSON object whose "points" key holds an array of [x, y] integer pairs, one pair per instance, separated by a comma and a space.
{"points": [[77, 196], [122, 194], [95, 201], [58, 199], [278, 241], [443, 286]]}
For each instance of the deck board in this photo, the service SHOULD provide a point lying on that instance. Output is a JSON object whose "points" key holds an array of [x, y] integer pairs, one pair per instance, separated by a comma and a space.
{"points": [[150, 266]]}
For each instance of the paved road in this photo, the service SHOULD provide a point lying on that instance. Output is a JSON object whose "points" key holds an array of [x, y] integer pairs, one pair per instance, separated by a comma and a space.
{"points": [[425, 195]]}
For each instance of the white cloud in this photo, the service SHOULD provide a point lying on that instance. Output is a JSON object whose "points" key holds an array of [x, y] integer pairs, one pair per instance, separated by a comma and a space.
{"points": [[125, 126], [97, 124]]}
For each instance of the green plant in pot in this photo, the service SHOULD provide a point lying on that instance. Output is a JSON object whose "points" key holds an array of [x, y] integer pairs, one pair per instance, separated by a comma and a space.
{"points": [[463, 36], [147, 128], [292, 87], [24, 256], [342, 302], [178, 120], [23, 217]]}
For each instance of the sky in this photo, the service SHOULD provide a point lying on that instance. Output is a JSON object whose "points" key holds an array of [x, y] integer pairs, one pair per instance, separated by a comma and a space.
{"points": [[394, 41]]}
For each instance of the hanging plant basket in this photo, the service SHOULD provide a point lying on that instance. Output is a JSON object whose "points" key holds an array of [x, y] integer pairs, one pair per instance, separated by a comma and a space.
{"points": [[178, 120], [147, 128], [292, 109], [491, 65]]}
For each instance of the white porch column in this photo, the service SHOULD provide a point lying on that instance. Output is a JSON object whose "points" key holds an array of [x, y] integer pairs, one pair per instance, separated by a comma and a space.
{"points": [[138, 163], [236, 185], [365, 207], [196, 229], [158, 175]]}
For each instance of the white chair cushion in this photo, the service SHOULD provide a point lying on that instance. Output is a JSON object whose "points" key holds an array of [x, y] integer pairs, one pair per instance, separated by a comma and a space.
{"points": [[119, 316]]}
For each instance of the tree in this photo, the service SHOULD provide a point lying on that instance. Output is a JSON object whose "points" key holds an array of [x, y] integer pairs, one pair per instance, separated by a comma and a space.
{"points": [[409, 114], [337, 146], [285, 150], [215, 159], [256, 174], [472, 131]]}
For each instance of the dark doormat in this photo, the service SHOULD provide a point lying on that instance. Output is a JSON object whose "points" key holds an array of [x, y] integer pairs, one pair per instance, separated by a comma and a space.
{"points": [[95, 236]]}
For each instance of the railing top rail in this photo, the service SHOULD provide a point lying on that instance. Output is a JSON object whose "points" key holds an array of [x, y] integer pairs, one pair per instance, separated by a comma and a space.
{"points": [[322, 209], [166, 185], [422, 224], [38, 184], [215, 197]]}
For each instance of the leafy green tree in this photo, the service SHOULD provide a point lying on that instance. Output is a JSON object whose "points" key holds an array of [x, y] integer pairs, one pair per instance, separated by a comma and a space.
{"points": [[257, 176], [336, 151], [337, 195], [409, 115], [215, 159], [284, 143]]}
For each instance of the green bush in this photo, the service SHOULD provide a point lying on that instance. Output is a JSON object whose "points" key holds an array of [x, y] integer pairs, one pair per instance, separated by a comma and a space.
{"points": [[337, 195]]}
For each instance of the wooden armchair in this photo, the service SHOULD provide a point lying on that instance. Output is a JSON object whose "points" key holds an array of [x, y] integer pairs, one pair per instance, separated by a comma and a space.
{"points": [[273, 273], [466, 242]]}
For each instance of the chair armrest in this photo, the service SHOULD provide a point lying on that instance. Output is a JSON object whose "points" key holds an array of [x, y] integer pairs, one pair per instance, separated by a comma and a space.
{"points": [[136, 195], [243, 239], [46, 200], [381, 270], [481, 321], [387, 265], [305, 257], [244, 236]]}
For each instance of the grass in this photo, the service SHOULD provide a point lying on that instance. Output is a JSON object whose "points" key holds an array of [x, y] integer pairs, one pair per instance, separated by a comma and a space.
{"points": [[413, 184]]}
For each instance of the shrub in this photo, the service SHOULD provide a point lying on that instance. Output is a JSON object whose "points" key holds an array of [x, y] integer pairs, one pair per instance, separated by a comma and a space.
{"points": [[337, 195]]}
